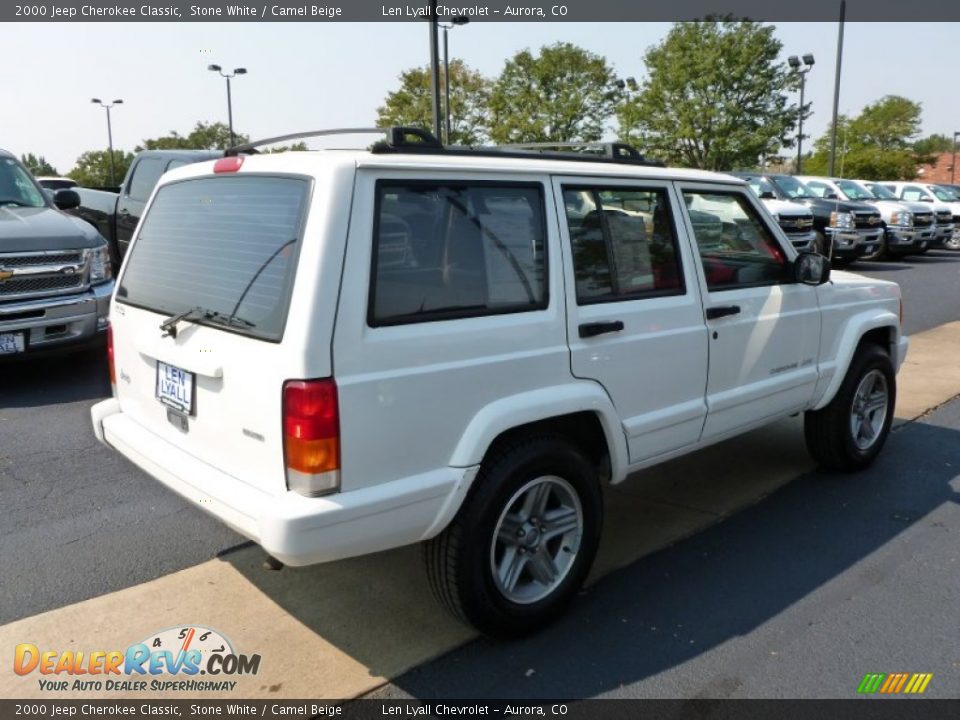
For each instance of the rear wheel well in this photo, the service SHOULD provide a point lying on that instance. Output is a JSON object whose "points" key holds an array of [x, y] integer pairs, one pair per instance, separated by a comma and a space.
{"points": [[581, 429]]}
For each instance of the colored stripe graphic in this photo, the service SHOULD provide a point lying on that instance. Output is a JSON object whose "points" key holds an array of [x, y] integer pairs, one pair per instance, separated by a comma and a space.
{"points": [[894, 683]]}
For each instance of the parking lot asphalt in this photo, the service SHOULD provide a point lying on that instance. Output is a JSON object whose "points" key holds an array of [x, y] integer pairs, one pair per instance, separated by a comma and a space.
{"points": [[78, 522], [798, 596]]}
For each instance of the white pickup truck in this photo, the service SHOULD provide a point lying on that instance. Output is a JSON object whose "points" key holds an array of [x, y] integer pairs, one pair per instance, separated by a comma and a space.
{"points": [[340, 352]]}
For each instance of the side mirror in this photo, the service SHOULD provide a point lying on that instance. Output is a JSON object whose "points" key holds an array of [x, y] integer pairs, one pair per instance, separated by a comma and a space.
{"points": [[66, 199], [811, 269], [767, 195], [831, 195]]}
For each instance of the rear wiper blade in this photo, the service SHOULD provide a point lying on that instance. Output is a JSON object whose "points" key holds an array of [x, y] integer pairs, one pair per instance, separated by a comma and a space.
{"points": [[169, 326]]}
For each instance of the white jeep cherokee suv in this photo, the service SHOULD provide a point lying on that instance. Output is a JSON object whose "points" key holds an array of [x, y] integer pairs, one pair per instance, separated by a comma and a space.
{"points": [[339, 352]]}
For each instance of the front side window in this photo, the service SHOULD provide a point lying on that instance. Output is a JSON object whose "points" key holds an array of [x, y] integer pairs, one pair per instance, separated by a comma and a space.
{"points": [[736, 247], [855, 191], [623, 244], [450, 250], [818, 188]]}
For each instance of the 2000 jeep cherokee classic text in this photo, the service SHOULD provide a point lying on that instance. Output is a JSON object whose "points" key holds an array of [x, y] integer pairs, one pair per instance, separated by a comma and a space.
{"points": [[339, 352]]}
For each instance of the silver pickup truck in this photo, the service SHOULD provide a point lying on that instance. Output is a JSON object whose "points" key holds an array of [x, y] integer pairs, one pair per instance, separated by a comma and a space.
{"points": [[55, 273]]}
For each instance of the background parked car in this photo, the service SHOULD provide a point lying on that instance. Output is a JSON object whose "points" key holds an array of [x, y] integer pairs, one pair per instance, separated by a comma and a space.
{"points": [[908, 227], [845, 231], [116, 214], [55, 274], [56, 183], [945, 205]]}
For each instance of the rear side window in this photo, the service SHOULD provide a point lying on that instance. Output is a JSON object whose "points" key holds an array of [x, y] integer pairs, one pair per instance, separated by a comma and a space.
{"points": [[450, 250], [145, 177], [623, 242], [227, 246]]}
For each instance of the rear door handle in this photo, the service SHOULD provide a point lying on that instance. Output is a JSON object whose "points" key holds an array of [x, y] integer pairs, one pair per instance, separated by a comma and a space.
{"points": [[722, 311], [599, 328]]}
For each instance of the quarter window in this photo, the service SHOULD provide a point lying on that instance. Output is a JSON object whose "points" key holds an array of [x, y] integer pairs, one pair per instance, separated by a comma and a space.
{"points": [[736, 247], [623, 244], [452, 250]]}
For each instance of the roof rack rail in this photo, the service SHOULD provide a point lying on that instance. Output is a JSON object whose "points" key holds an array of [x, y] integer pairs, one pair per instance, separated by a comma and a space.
{"points": [[397, 137], [405, 139], [609, 150]]}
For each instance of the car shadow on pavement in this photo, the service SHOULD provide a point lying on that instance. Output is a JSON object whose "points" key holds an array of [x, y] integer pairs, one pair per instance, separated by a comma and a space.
{"points": [[654, 614], [70, 378]]}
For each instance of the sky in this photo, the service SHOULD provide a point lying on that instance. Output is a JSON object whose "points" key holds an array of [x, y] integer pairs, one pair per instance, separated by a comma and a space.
{"points": [[310, 76]]}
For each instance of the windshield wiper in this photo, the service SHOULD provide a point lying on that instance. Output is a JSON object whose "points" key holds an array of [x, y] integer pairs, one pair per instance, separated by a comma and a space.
{"points": [[18, 203], [169, 326]]}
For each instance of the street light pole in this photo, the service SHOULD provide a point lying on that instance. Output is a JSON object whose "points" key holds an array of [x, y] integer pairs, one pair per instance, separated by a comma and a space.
{"points": [[836, 87], [458, 20], [953, 163], [435, 70], [794, 63], [228, 76], [106, 106]]}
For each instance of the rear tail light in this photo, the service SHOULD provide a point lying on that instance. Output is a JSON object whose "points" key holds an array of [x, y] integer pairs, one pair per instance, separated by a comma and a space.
{"points": [[111, 367], [311, 436]]}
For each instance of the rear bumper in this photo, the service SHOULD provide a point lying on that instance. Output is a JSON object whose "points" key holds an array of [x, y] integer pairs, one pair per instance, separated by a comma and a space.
{"points": [[296, 530], [58, 324]]}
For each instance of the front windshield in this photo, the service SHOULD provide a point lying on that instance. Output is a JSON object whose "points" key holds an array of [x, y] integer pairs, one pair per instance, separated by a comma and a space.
{"points": [[945, 194], [881, 192], [792, 188], [17, 189], [760, 186], [855, 191]]}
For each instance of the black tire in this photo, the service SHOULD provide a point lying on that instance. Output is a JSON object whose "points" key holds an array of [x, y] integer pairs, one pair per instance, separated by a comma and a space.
{"points": [[829, 432], [459, 560]]}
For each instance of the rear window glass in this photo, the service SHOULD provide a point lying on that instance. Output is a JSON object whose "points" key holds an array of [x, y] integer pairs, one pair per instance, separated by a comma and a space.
{"points": [[444, 251], [226, 246]]}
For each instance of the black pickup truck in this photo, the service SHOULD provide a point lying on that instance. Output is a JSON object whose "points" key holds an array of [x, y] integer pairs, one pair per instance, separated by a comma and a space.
{"points": [[845, 230], [115, 212]]}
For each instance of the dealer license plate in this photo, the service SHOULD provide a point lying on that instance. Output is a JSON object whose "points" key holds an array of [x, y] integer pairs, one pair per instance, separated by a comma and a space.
{"points": [[11, 343], [175, 387]]}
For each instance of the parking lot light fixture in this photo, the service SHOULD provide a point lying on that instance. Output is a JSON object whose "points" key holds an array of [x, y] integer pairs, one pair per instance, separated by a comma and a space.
{"points": [[107, 106], [800, 69], [229, 76]]}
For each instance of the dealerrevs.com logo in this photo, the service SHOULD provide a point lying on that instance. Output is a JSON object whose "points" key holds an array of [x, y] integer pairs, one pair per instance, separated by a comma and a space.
{"points": [[170, 660]]}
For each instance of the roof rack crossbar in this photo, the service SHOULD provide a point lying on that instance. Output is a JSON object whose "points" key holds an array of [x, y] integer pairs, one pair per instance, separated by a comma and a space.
{"points": [[397, 137]]}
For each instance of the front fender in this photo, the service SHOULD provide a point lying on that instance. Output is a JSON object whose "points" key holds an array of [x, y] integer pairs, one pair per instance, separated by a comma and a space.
{"points": [[835, 360]]}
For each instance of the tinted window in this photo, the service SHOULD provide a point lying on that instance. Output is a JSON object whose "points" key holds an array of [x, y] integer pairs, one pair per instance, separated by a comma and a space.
{"points": [[736, 247], [623, 244], [457, 250], [818, 188], [145, 177], [228, 245]]}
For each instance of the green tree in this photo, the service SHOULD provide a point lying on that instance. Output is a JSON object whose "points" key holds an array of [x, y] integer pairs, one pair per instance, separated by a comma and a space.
{"points": [[412, 103], [93, 167], [878, 144], [38, 165], [564, 94], [204, 136], [297, 146], [715, 96]]}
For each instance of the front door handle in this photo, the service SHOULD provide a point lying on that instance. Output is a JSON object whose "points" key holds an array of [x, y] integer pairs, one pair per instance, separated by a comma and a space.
{"points": [[722, 311], [599, 328]]}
